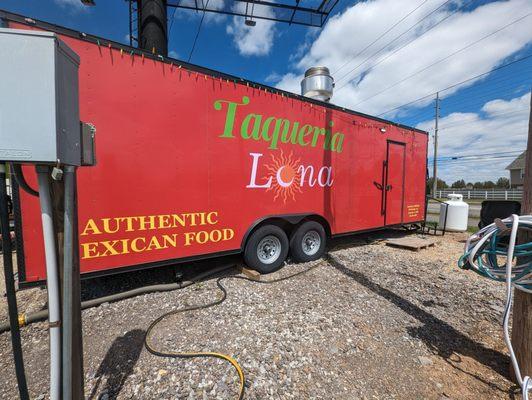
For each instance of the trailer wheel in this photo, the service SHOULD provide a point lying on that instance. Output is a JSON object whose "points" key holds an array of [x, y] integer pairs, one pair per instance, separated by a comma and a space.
{"points": [[308, 241], [266, 249]]}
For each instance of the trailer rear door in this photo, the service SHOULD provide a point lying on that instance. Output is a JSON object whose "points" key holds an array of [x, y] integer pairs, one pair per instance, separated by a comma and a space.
{"points": [[395, 182]]}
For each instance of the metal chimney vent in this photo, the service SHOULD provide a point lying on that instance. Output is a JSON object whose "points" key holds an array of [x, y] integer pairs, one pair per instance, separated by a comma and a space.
{"points": [[317, 84]]}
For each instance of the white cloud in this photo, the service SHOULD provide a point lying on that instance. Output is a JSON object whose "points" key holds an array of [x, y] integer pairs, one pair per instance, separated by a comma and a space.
{"points": [[500, 126], [349, 33], [273, 77], [73, 5], [253, 40]]}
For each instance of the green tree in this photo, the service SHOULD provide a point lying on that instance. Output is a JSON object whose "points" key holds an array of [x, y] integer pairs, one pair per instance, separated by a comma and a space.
{"points": [[503, 183], [459, 184], [441, 184]]}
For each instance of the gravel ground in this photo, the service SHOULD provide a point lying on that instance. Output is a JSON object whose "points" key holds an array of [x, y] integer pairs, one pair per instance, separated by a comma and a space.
{"points": [[369, 322]]}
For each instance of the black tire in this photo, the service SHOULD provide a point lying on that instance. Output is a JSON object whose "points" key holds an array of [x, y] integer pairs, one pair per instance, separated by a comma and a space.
{"points": [[297, 251], [268, 233]]}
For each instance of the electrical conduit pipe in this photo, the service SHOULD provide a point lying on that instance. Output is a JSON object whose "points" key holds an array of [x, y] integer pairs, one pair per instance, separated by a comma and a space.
{"points": [[52, 281]]}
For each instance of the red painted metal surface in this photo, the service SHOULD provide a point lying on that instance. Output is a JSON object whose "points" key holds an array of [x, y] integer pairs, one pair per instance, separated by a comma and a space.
{"points": [[395, 183], [187, 162]]}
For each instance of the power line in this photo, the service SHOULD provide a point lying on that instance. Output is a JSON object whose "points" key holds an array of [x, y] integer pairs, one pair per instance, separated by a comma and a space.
{"points": [[380, 37], [485, 97], [490, 156], [519, 111], [465, 162], [460, 106], [504, 85], [458, 84], [445, 158], [405, 45], [172, 22], [444, 58], [392, 41], [198, 31], [486, 119]]}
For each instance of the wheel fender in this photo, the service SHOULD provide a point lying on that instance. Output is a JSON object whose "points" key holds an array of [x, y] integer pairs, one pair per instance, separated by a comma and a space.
{"points": [[292, 219]]}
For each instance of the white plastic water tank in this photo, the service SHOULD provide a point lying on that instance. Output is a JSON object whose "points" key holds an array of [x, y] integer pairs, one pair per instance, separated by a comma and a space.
{"points": [[457, 211]]}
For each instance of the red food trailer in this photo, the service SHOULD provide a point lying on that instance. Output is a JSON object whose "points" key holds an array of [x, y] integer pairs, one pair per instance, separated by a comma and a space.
{"points": [[193, 163]]}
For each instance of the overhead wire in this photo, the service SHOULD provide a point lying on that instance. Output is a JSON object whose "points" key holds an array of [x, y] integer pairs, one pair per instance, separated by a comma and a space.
{"points": [[444, 58], [198, 31], [464, 162], [380, 37], [526, 57], [487, 119], [497, 85], [172, 20], [392, 41], [477, 155], [401, 47], [485, 94]]}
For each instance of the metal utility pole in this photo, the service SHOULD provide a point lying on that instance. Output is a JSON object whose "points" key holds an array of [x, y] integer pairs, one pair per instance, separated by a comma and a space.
{"points": [[152, 26], [522, 314], [435, 163]]}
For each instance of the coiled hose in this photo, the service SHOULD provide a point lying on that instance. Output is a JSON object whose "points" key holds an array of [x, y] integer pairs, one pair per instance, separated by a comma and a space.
{"points": [[170, 354], [481, 252]]}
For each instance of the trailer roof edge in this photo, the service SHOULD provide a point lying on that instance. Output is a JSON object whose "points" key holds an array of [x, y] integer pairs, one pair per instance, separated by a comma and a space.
{"points": [[9, 16]]}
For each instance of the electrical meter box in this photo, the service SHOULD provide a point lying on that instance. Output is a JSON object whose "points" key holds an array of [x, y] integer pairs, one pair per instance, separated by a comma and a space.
{"points": [[39, 106]]}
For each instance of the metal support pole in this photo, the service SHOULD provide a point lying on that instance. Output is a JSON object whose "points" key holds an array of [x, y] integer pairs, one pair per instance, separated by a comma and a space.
{"points": [[52, 281], [435, 162], [10, 289], [71, 327]]}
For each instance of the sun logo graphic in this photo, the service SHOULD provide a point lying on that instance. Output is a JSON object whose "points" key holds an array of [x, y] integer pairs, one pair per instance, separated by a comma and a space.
{"points": [[286, 176]]}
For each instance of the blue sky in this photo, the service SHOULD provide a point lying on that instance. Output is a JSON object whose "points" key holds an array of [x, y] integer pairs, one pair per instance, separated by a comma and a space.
{"points": [[426, 46]]}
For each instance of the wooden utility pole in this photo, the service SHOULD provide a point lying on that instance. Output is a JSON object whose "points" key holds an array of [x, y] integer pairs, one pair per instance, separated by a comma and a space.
{"points": [[435, 162], [522, 317]]}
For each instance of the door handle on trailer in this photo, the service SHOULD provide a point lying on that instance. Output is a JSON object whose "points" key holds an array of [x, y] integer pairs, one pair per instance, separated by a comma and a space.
{"points": [[377, 185]]}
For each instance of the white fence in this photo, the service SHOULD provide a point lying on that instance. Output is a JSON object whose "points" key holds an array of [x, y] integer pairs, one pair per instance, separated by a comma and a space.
{"points": [[488, 194]]}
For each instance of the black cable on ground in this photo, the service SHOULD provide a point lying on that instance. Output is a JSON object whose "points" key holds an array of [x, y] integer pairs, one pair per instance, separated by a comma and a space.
{"points": [[170, 354], [10, 289], [26, 319]]}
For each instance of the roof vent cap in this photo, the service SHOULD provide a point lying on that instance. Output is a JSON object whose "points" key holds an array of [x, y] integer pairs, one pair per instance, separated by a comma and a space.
{"points": [[317, 84]]}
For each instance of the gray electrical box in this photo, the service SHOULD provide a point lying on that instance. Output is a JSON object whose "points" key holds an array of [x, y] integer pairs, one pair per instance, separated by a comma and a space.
{"points": [[39, 105]]}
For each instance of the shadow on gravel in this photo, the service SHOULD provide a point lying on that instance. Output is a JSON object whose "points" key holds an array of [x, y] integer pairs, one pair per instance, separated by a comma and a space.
{"points": [[96, 287], [118, 364], [435, 333], [363, 239], [92, 288]]}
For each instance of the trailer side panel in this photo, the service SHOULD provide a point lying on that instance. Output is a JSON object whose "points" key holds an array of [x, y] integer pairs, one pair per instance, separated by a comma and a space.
{"points": [[188, 162]]}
